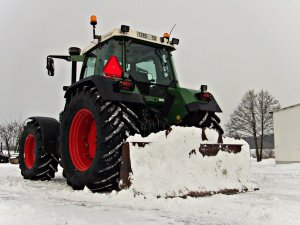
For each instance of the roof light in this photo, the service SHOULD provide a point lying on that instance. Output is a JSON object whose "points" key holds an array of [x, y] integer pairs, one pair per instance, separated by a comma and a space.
{"points": [[166, 35], [203, 88], [175, 41], [125, 28], [93, 20]]}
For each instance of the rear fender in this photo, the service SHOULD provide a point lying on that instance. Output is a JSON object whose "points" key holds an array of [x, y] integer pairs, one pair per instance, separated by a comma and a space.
{"points": [[50, 133], [105, 88]]}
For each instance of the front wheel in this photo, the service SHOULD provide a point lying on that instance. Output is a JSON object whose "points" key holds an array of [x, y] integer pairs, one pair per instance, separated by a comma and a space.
{"points": [[35, 162]]}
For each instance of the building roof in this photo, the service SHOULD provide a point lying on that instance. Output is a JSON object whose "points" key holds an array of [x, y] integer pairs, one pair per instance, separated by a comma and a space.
{"points": [[288, 107]]}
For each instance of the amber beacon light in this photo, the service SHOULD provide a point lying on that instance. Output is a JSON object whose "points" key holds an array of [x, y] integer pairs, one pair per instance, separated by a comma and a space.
{"points": [[166, 35], [93, 20]]}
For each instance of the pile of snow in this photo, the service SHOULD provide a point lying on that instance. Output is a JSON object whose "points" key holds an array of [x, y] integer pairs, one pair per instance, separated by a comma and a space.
{"points": [[165, 168]]}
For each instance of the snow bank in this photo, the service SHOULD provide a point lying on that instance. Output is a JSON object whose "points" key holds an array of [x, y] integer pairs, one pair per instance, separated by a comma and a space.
{"points": [[165, 168]]}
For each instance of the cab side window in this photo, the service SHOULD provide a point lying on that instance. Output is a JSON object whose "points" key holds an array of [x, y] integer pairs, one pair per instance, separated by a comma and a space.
{"points": [[89, 66]]}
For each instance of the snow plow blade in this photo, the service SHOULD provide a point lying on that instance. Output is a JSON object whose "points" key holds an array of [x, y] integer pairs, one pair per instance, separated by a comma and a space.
{"points": [[208, 155], [204, 149]]}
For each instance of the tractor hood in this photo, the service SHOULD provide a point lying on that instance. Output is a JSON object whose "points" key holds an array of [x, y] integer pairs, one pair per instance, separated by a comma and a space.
{"points": [[185, 101]]}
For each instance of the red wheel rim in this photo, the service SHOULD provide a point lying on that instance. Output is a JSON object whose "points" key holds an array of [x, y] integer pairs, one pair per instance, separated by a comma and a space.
{"points": [[82, 139], [29, 151]]}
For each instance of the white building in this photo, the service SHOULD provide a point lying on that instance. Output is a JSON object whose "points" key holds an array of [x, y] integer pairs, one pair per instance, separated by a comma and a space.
{"points": [[287, 134]]}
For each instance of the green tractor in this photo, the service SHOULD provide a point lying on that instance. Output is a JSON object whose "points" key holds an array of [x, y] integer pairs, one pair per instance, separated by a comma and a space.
{"points": [[128, 85]]}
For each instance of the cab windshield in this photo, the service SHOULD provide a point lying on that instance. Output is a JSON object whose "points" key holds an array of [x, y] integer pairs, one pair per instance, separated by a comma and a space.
{"points": [[149, 64]]}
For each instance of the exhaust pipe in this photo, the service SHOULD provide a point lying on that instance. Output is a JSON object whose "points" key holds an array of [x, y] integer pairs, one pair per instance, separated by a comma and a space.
{"points": [[74, 51]]}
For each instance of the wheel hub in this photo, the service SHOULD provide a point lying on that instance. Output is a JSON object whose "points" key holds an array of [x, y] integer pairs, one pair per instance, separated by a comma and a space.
{"points": [[82, 139], [29, 151]]}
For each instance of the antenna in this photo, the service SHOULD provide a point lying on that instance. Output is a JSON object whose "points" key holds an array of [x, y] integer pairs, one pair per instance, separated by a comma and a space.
{"points": [[172, 29]]}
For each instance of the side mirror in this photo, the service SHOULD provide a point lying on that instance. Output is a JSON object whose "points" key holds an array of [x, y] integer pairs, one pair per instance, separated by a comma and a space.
{"points": [[50, 66]]}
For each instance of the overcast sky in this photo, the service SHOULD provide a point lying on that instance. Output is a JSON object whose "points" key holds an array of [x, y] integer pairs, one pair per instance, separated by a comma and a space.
{"points": [[232, 46]]}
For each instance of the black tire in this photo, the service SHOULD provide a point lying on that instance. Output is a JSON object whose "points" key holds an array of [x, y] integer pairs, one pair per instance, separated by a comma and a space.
{"points": [[45, 165], [103, 172], [203, 119]]}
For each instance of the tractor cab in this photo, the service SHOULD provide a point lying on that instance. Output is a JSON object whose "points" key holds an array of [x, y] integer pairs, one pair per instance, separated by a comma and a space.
{"points": [[143, 59]]}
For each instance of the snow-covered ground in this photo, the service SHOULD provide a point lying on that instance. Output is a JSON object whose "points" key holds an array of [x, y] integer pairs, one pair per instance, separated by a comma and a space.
{"points": [[28, 202]]}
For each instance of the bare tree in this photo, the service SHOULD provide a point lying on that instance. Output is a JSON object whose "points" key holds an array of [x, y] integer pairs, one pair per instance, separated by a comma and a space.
{"points": [[266, 103], [252, 118], [6, 134], [10, 133], [19, 126]]}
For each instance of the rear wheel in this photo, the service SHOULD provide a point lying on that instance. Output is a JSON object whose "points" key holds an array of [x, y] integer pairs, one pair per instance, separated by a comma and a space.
{"points": [[35, 162], [92, 134]]}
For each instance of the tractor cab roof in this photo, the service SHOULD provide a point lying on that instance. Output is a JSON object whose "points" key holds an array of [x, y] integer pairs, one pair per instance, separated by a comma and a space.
{"points": [[163, 41]]}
